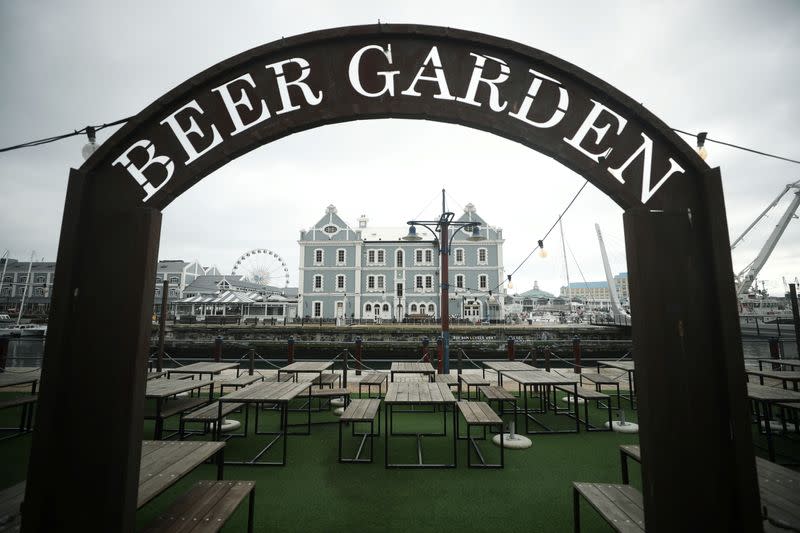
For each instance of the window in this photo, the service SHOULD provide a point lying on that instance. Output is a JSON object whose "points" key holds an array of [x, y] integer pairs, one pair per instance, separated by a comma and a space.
{"points": [[7, 279], [318, 256], [173, 292], [158, 281], [174, 280], [158, 291], [418, 282], [370, 282], [381, 280], [317, 309], [428, 282], [40, 279], [368, 308], [318, 282], [385, 308], [341, 257], [428, 256], [460, 256], [482, 256], [340, 282], [460, 281], [371, 256], [483, 281], [413, 308], [381, 256], [399, 258], [418, 256], [38, 291], [330, 230], [6, 291], [399, 289]]}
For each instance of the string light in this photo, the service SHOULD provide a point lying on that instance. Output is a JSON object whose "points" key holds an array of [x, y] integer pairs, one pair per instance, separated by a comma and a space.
{"points": [[542, 251], [510, 285], [701, 148]]}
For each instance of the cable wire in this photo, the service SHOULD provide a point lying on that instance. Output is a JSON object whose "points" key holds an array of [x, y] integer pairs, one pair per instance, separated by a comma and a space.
{"points": [[48, 140], [759, 152]]}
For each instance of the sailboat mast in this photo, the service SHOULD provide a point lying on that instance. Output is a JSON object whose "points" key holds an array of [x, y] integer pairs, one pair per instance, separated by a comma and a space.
{"points": [[566, 265], [25, 291], [612, 286], [5, 264]]}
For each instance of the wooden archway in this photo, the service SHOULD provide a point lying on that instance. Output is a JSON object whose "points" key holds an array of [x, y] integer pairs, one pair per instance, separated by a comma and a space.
{"points": [[686, 335]]}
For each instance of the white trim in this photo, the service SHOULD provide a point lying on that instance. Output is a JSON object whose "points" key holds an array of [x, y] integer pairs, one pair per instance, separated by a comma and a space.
{"points": [[343, 262], [314, 309]]}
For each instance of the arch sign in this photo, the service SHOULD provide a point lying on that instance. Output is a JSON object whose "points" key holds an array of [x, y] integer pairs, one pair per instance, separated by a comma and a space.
{"points": [[685, 336]]}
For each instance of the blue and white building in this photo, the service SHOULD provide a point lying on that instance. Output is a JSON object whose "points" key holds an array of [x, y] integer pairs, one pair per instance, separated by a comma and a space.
{"points": [[372, 273]]}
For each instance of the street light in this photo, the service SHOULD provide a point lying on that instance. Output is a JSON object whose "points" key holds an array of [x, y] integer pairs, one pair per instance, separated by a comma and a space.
{"points": [[443, 227]]}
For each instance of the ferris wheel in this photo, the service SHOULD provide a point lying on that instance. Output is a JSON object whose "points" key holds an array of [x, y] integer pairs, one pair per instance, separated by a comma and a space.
{"points": [[263, 267]]}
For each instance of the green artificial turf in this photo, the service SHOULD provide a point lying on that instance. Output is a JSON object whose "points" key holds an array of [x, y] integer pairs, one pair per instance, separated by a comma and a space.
{"points": [[314, 493]]}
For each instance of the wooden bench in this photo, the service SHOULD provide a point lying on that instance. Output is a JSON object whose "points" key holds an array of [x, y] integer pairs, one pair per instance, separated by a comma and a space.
{"points": [[207, 415], [587, 396], [250, 321], [172, 407], [330, 394], [600, 381], [237, 383], [370, 380], [206, 507], [495, 393], [327, 379], [282, 378], [471, 380], [793, 410], [11, 507], [361, 411], [479, 414], [620, 505], [626, 451], [27, 403]]}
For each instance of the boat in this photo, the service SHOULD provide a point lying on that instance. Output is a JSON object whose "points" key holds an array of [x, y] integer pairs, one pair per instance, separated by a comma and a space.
{"points": [[24, 330]]}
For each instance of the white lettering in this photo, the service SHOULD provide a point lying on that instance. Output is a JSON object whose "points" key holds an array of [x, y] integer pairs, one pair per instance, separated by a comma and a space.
{"points": [[283, 84], [646, 148], [183, 135], [138, 172], [477, 77], [438, 77], [589, 124], [244, 101], [355, 79], [525, 108]]}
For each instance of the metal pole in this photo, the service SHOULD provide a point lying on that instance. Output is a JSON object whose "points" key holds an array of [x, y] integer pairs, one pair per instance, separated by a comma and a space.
{"points": [[576, 351], [358, 356], [252, 356], [795, 315], [425, 356], [439, 350], [512, 354], [25, 290], [4, 342], [162, 325], [344, 368], [774, 352], [445, 307], [217, 349], [290, 350]]}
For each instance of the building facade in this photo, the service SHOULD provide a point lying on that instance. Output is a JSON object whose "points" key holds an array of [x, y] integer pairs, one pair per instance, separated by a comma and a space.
{"points": [[590, 291], [33, 279], [373, 274]]}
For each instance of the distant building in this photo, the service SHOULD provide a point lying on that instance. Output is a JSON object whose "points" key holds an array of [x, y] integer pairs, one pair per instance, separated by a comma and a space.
{"points": [[234, 295], [589, 291], [14, 281], [372, 273], [533, 298]]}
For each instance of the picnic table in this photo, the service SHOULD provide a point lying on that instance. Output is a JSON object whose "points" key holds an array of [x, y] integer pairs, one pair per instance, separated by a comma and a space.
{"points": [[163, 391], [765, 397], [630, 368], [784, 376], [507, 366], [203, 368], [792, 363], [311, 367], [279, 393], [408, 395], [547, 381], [15, 378], [412, 368]]}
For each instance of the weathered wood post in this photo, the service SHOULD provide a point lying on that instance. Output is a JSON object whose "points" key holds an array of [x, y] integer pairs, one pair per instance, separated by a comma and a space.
{"points": [[774, 352], [547, 359], [576, 352], [345, 355], [251, 355], [358, 356], [4, 342], [290, 350], [511, 349], [425, 356], [795, 315], [162, 325], [217, 349], [439, 355]]}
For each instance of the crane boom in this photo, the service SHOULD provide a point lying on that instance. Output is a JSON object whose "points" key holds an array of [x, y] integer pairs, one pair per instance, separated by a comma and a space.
{"points": [[746, 277]]}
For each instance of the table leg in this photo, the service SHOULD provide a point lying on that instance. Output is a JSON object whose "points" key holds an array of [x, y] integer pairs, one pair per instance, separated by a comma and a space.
{"points": [[159, 429], [623, 458], [386, 415], [768, 431]]}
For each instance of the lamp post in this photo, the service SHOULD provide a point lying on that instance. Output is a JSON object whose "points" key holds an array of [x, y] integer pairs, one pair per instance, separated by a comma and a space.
{"points": [[443, 242]]}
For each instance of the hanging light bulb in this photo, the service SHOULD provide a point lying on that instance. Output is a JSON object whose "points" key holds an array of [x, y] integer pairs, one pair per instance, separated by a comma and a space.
{"points": [[510, 285], [701, 148], [90, 147], [542, 251]]}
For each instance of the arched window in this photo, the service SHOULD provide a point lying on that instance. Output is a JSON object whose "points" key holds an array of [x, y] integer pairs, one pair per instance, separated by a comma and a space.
{"points": [[399, 259], [385, 308], [368, 308], [413, 308]]}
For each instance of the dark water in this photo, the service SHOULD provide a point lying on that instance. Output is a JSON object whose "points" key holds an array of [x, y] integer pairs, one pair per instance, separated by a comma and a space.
{"points": [[27, 351]]}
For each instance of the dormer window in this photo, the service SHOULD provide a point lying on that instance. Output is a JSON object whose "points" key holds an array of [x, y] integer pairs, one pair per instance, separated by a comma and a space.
{"points": [[330, 229], [223, 285]]}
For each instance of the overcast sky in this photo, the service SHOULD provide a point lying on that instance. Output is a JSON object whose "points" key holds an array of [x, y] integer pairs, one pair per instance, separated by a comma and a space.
{"points": [[730, 68]]}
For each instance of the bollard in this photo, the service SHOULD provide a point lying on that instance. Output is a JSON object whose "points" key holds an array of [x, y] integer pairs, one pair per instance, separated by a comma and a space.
{"points": [[460, 353], [290, 350], [4, 342], [425, 356], [358, 356], [576, 352], [252, 355], [774, 352], [547, 359], [535, 353], [345, 353], [217, 349], [512, 353], [439, 355]]}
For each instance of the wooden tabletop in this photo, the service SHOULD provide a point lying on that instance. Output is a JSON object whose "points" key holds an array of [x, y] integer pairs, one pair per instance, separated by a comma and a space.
{"points": [[307, 366], [541, 378], [415, 392], [241, 381], [622, 365], [783, 375], [268, 392], [204, 368], [155, 374], [771, 394], [163, 463], [164, 388], [9, 378], [509, 366], [423, 368]]}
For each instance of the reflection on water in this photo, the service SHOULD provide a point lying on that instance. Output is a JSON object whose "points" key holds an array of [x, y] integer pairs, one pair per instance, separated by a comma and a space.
{"points": [[28, 351]]}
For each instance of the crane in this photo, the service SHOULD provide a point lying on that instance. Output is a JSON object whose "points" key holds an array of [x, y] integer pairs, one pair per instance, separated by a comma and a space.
{"points": [[745, 278]]}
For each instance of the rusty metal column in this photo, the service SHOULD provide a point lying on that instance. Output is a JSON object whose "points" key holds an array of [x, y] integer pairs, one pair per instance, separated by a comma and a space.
{"points": [[4, 342], [358, 356], [795, 315], [439, 354], [510, 348], [775, 352], [217, 349], [686, 333], [576, 353], [100, 247], [290, 350], [425, 356], [444, 236], [162, 326]]}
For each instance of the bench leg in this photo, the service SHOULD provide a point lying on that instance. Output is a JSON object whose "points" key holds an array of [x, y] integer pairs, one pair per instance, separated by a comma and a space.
{"points": [[576, 510], [251, 505], [623, 458]]}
